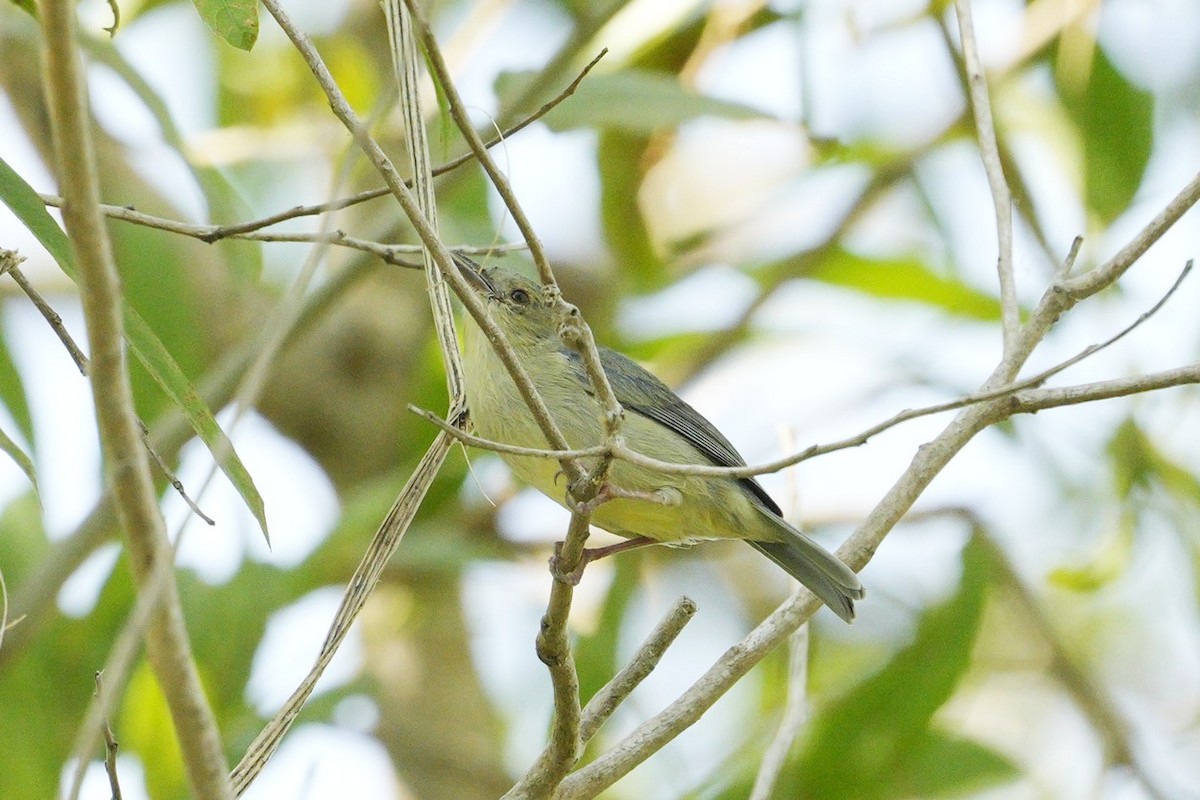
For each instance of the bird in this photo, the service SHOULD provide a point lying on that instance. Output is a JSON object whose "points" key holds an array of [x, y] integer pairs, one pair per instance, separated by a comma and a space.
{"points": [[642, 504]]}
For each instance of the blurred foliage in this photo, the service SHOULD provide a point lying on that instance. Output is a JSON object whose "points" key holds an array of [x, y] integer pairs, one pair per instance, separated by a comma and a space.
{"points": [[749, 137]]}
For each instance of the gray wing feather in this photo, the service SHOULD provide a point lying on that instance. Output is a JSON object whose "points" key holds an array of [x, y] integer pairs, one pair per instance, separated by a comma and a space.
{"points": [[642, 393]]}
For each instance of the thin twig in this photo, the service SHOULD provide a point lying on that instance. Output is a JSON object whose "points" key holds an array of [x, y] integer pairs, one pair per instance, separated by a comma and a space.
{"points": [[795, 714], [52, 317], [612, 694], [110, 749], [989, 154], [389, 253], [166, 470]]}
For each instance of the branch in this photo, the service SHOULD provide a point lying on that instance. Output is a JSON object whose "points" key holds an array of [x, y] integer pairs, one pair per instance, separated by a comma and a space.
{"points": [[989, 153], [137, 508], [795, 714], [110, 750], [928, 461], [613, 693]]}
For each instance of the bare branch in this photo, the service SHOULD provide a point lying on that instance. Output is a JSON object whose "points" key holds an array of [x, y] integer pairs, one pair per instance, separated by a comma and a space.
{"points": [[11, 267], [137, 507], [989, 153], [110, 750], [795, 714], [606, 701]]}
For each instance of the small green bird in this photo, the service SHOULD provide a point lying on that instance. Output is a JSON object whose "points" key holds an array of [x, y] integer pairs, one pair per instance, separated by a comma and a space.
{"points": [[684, 508]]}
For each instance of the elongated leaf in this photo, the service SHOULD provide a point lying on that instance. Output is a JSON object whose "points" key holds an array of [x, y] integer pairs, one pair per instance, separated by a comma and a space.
{"points": [[235, 21], [24, 202], [12, 394], [905, 279], [1116, 126], [633, 100], [158, 362]]}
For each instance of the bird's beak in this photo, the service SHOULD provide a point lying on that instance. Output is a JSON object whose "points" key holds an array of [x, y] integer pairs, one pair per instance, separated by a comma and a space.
{"points": [[474, 275]]}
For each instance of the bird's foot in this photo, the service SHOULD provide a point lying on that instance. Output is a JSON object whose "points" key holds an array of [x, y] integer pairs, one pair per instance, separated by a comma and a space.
{"points": [[590, 554], [664, 496]]}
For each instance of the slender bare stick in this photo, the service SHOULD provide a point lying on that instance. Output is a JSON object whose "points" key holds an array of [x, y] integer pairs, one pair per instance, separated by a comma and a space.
{"points": [[110, 750], [605, 702], [989, 153], [129, 469], [795, 714]]}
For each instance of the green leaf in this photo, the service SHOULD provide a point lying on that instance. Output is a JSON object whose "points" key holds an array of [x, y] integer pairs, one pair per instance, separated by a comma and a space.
{"points": [[28, 207], [1116, 126], [158, 362], [876, 743], [28, 6], [904, 278], [940, 765], [23, 201], [12, 392], [235, 21], [632, 100], [620, 157]]}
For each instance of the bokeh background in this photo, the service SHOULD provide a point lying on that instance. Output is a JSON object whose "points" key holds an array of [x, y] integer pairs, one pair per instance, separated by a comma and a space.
{"points": [[778, 207]]}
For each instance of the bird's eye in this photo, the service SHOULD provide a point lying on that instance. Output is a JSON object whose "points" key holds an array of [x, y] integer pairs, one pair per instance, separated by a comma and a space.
{"points": [[519, 296]]}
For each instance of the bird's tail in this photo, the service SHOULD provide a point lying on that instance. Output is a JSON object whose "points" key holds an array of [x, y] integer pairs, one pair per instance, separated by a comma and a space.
{"points": [[822, 572]]}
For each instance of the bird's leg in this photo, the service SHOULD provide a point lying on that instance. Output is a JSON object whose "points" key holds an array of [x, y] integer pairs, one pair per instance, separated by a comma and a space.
{"points": [[663, 496], [591, 554]]}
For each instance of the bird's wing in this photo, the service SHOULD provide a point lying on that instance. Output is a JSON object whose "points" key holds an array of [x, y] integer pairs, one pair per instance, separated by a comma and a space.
{"points": [[642, 393]]}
